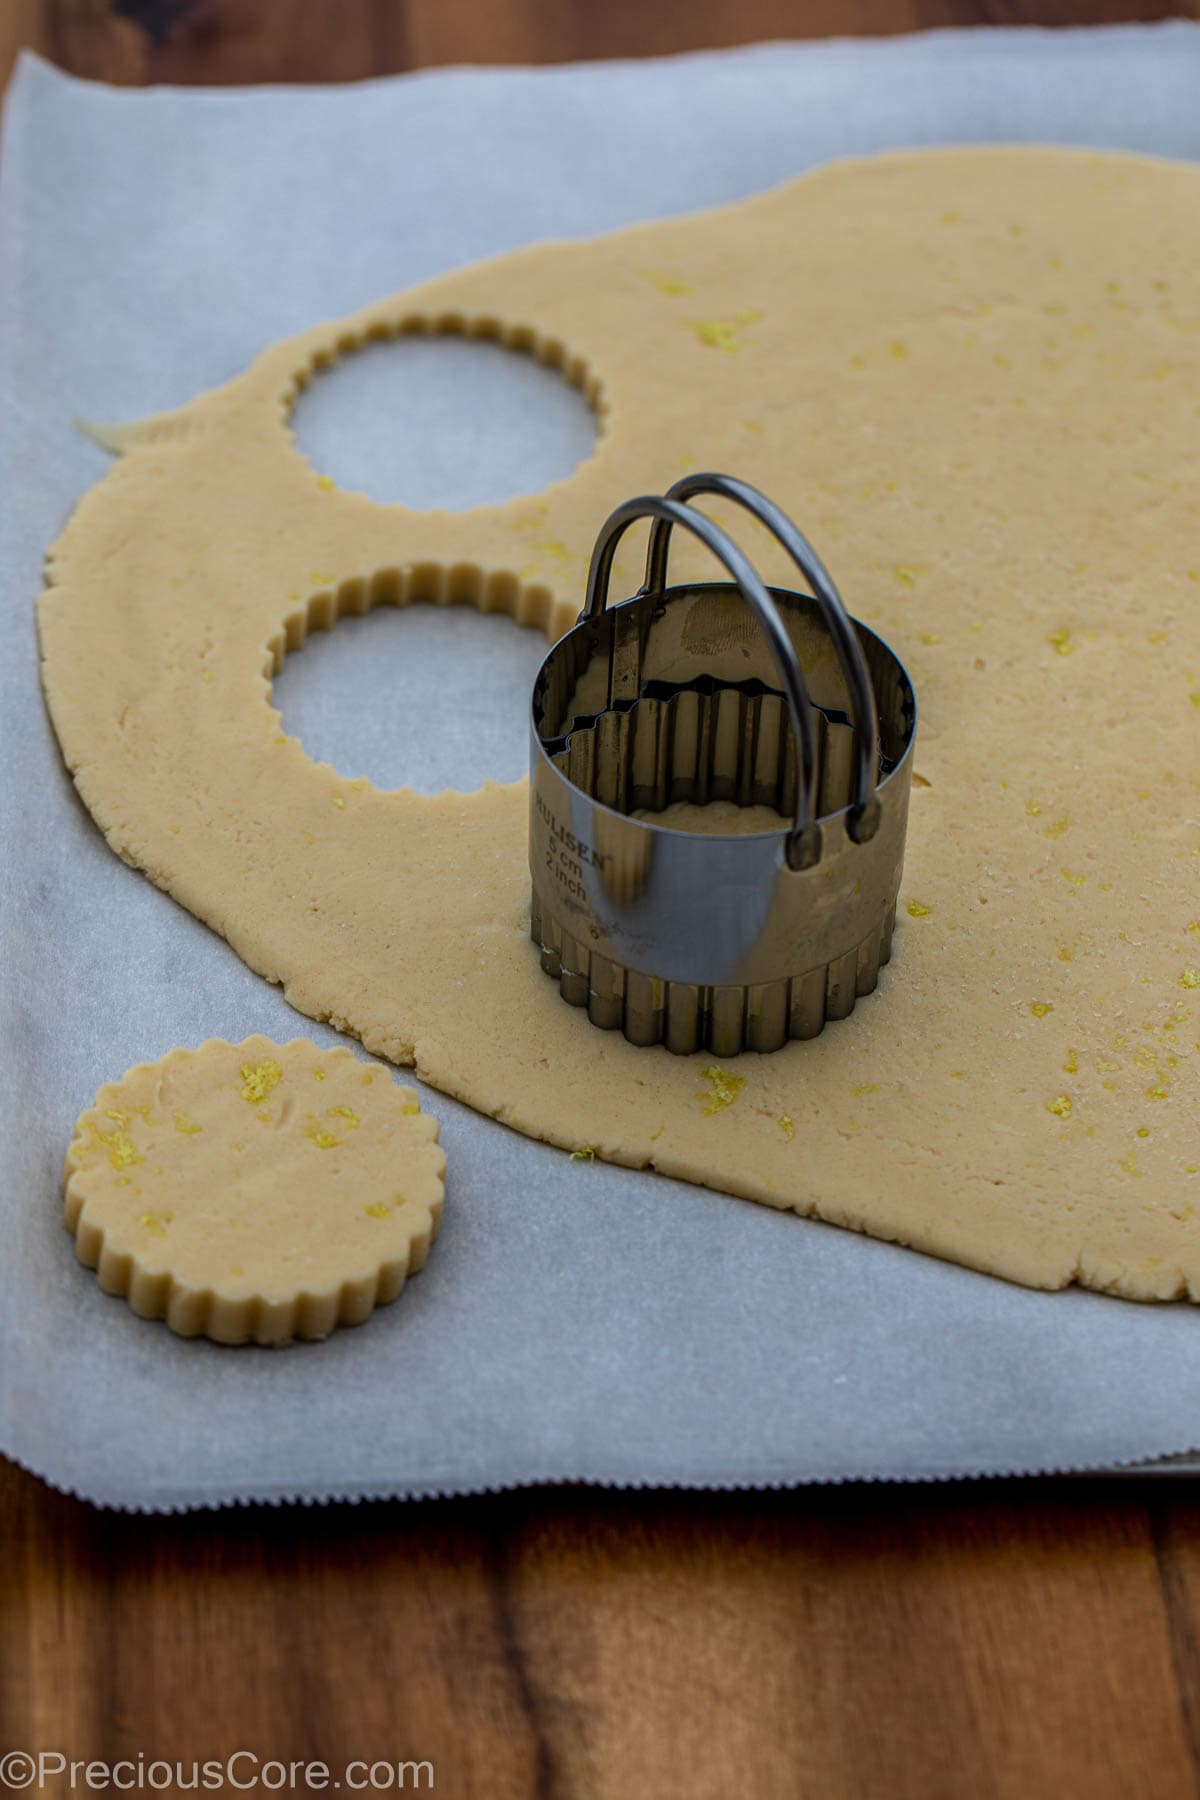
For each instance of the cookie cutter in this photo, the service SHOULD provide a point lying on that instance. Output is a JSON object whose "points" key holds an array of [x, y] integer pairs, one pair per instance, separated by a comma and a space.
{"points": [[708, 691]]}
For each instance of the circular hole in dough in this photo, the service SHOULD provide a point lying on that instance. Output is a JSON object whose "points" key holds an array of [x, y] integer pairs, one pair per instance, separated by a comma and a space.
{"points": [[254, 1192], [446, 421], [424, 697]]}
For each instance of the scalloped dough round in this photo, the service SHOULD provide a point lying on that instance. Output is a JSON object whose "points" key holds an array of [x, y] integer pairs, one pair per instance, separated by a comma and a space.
{"points": [[254, 1192], [974, 377]]}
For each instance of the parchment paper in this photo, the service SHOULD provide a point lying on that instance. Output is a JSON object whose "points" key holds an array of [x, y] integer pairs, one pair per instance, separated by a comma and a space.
{"points": [[575, 1321]]}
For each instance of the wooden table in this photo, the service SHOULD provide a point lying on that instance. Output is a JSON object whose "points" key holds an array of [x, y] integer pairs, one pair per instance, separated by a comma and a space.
{"points": [[845, 1644]]}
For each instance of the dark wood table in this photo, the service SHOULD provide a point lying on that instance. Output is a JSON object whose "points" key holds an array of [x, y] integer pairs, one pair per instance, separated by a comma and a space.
{"points": [[1025, 1640]]}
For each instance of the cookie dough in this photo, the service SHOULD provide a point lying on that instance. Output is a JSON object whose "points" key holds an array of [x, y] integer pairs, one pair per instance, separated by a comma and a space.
{"points": [[974, 378], [254, 1192]]}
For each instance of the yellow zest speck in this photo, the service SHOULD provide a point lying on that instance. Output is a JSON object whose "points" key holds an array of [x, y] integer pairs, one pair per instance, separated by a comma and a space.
{"points": [[1157, 1092], [1033, 809], [326, 483], [1040, 1008], [1062, 641], [318, 1074], [1075, 880], [1057, 828], [1060, 1106], [724, 334], [950, 218], [865, 1087], [343, 1112], [907, 574], [655, 1135], [670, 285], [1066, 953], [787, 1126], [898, 349], [1143, 1131], [338, 802], [368, 1077], [122, 1153], [916, 910], [725, 1089], [585, 1153], [958, 1075], [413, 1108], [156, 1225], [308, 837], [1129, 1164], [208, 677], [378, 1209], [185, 1125], [280, 739], [324, 1140], [1189, 979], [930, 637], [174, 830], [1071, 1065], [260, 1080]]}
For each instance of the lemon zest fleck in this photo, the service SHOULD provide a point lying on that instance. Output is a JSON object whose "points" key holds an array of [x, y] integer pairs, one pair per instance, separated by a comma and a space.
{"points": [[1060, 1106], [724, 334], [259, 1080], [916, 910], [725, 1089], [671, 285]]}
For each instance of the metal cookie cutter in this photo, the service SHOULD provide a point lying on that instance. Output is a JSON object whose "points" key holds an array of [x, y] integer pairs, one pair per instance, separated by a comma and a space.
{"points": [[717, 691]]}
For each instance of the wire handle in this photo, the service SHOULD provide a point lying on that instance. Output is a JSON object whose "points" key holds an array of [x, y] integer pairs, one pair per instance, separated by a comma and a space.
{"points": [[865, 813], [803, 847]]}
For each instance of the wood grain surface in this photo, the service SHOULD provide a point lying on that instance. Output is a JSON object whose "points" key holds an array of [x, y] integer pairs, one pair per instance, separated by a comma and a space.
{"points": [[851, 1644]]}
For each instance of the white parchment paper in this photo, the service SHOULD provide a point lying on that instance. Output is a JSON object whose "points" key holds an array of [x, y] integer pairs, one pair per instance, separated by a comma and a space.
{"points": [[574, 1321]]}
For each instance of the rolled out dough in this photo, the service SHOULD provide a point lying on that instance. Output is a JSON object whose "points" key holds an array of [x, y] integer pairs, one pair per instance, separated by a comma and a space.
{"points": [[254, 1192], [974, 378]]}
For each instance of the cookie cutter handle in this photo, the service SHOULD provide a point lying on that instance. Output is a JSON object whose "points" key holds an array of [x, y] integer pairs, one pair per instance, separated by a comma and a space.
{"points": [[863, 820], [803, 847]]}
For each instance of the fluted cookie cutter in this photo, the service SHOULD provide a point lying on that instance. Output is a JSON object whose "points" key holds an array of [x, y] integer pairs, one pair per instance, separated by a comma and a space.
{"points": [[717, 691]]}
